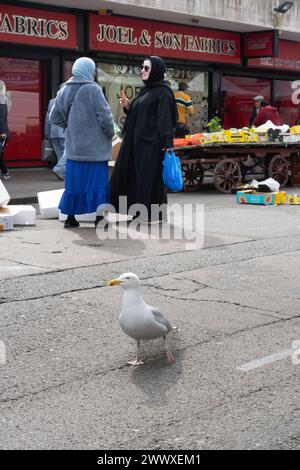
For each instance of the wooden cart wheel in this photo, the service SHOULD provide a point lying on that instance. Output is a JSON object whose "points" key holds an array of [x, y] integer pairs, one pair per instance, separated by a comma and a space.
{"points": [[227, 175], [279, 170], [193, 175]]}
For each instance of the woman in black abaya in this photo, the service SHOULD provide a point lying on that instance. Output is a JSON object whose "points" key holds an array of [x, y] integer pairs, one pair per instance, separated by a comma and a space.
{"points": [[148, 130]]}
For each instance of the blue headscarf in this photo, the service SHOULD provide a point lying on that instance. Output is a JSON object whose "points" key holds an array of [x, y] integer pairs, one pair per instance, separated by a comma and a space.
{"points": [[84, 67]]}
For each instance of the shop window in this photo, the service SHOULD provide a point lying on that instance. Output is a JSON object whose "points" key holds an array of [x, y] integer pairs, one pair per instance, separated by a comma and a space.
{"points": [[237, 99], [197, 90], [22, 79], [113, 77], [68, 64], [289, 112]]}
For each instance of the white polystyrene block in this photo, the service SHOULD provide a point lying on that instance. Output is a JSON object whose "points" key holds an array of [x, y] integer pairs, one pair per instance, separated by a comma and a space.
{"points": [[22, 215], [79, 217], [48, 203], [6, 220], [4, 196]]}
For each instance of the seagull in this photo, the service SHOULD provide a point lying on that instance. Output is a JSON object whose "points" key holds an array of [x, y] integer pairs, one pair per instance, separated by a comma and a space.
{"points": [[138, 319]]}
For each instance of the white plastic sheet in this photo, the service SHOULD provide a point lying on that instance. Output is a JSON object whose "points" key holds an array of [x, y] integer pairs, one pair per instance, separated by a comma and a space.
{"points": [[4, 196]]}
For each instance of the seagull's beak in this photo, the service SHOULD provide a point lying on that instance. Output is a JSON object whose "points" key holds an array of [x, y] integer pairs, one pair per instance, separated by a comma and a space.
{"points": [[114, 282]]}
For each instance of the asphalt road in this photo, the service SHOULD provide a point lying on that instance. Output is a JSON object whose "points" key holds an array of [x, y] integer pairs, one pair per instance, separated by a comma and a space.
{"points": [[235, 383]]}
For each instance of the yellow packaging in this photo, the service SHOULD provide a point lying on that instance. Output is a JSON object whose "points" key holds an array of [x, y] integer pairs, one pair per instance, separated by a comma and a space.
{"points": [[295, 130], [280, 197], [293, 199]]}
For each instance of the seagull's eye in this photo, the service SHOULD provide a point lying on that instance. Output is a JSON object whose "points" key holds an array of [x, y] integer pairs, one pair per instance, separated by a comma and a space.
{"points": [[127, 278]]}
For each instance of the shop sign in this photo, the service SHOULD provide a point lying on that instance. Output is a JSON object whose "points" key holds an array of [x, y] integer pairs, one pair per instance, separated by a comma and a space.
{"points": [[133, 36], [260, 44], [288, 58], [37, 27]]}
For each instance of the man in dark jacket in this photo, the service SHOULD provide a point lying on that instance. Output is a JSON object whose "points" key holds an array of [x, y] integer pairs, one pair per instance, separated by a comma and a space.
{"points": [[257, 105], [4, 134], [267, 113]]}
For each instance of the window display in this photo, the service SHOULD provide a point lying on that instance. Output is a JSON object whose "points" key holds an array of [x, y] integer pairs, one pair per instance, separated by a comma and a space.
{"points": [[288, 111], [113, 77], [23, 84], [237, 99]]}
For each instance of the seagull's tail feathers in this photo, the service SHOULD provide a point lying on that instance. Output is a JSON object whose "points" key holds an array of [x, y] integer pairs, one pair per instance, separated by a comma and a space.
{"points": [[176, 328]]}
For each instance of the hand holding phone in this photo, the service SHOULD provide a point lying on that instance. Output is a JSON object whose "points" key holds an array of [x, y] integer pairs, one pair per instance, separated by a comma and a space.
{"points": [[124, 101]]}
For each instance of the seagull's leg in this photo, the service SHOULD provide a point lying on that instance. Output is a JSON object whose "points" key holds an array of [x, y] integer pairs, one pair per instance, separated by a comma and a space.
{"points": [[170, 356], [136, 361]]}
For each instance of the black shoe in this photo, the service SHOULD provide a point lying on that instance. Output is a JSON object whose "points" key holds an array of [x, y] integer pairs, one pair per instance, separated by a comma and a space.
{"points": [[6, 175], [71, 222]]}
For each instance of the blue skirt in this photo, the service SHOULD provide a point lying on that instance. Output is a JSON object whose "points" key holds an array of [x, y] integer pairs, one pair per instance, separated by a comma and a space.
{"points": [[86, 187]]}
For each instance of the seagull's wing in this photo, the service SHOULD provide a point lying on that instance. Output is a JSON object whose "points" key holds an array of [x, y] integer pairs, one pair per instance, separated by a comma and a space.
{"points": [[158, 316]]}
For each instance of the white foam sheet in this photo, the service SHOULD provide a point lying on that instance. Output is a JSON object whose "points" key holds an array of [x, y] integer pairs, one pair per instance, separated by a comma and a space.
{"points": [[4, 196], [48, 203], [22, 214]]}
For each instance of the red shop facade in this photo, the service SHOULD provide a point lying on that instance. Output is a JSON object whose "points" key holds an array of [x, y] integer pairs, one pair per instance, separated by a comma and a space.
{"points": [[32, 46], [39, 45]]}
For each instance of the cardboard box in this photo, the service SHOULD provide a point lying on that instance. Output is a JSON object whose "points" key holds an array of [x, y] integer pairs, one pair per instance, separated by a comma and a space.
{"points": [[267, 199], [293, 199], [6, 221], [48, 203], [111, 165], [291, 138], [116, 145]]}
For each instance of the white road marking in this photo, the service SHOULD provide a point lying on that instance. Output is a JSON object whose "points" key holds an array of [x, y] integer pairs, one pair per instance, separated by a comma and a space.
{"points": [[266, 360]]}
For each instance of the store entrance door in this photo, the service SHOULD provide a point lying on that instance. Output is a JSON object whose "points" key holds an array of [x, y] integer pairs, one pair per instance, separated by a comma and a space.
{"points": [[237, 99], [24, 93]]}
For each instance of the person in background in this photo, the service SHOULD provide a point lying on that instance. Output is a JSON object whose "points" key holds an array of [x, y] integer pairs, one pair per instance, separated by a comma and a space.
{"points": [[57, 136], [267, 113], [185, 108], [82, 110], [257, 105], [147, 132], [4, 132]]}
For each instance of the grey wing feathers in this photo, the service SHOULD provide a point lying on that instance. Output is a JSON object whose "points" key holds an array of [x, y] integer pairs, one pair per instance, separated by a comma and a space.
{"points": [[158, 316]]}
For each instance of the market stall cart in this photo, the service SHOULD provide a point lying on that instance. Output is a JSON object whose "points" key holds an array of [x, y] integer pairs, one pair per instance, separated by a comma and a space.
{"points": [[224, 162]]}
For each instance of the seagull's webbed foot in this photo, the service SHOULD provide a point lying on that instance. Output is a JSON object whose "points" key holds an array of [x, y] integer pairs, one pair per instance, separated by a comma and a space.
{"points": [[169, 354], [170, 357], [135, 362]]}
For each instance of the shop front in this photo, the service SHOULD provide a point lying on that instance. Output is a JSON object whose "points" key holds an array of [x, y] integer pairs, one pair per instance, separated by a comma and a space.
{"points": [[223, 77], [118, 46], [275, 78], [32, 42], [39, 46]]}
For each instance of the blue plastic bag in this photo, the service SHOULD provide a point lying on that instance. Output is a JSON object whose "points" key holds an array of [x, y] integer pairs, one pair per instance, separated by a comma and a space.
{"points": [[172, 175]]}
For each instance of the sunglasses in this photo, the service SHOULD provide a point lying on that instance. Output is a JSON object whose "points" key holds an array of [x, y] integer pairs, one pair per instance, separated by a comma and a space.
{"points": [[146, 67]]}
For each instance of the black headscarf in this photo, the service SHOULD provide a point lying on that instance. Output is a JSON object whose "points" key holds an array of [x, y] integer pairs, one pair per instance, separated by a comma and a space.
{"points": [[156, 78], [157, 72]]}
